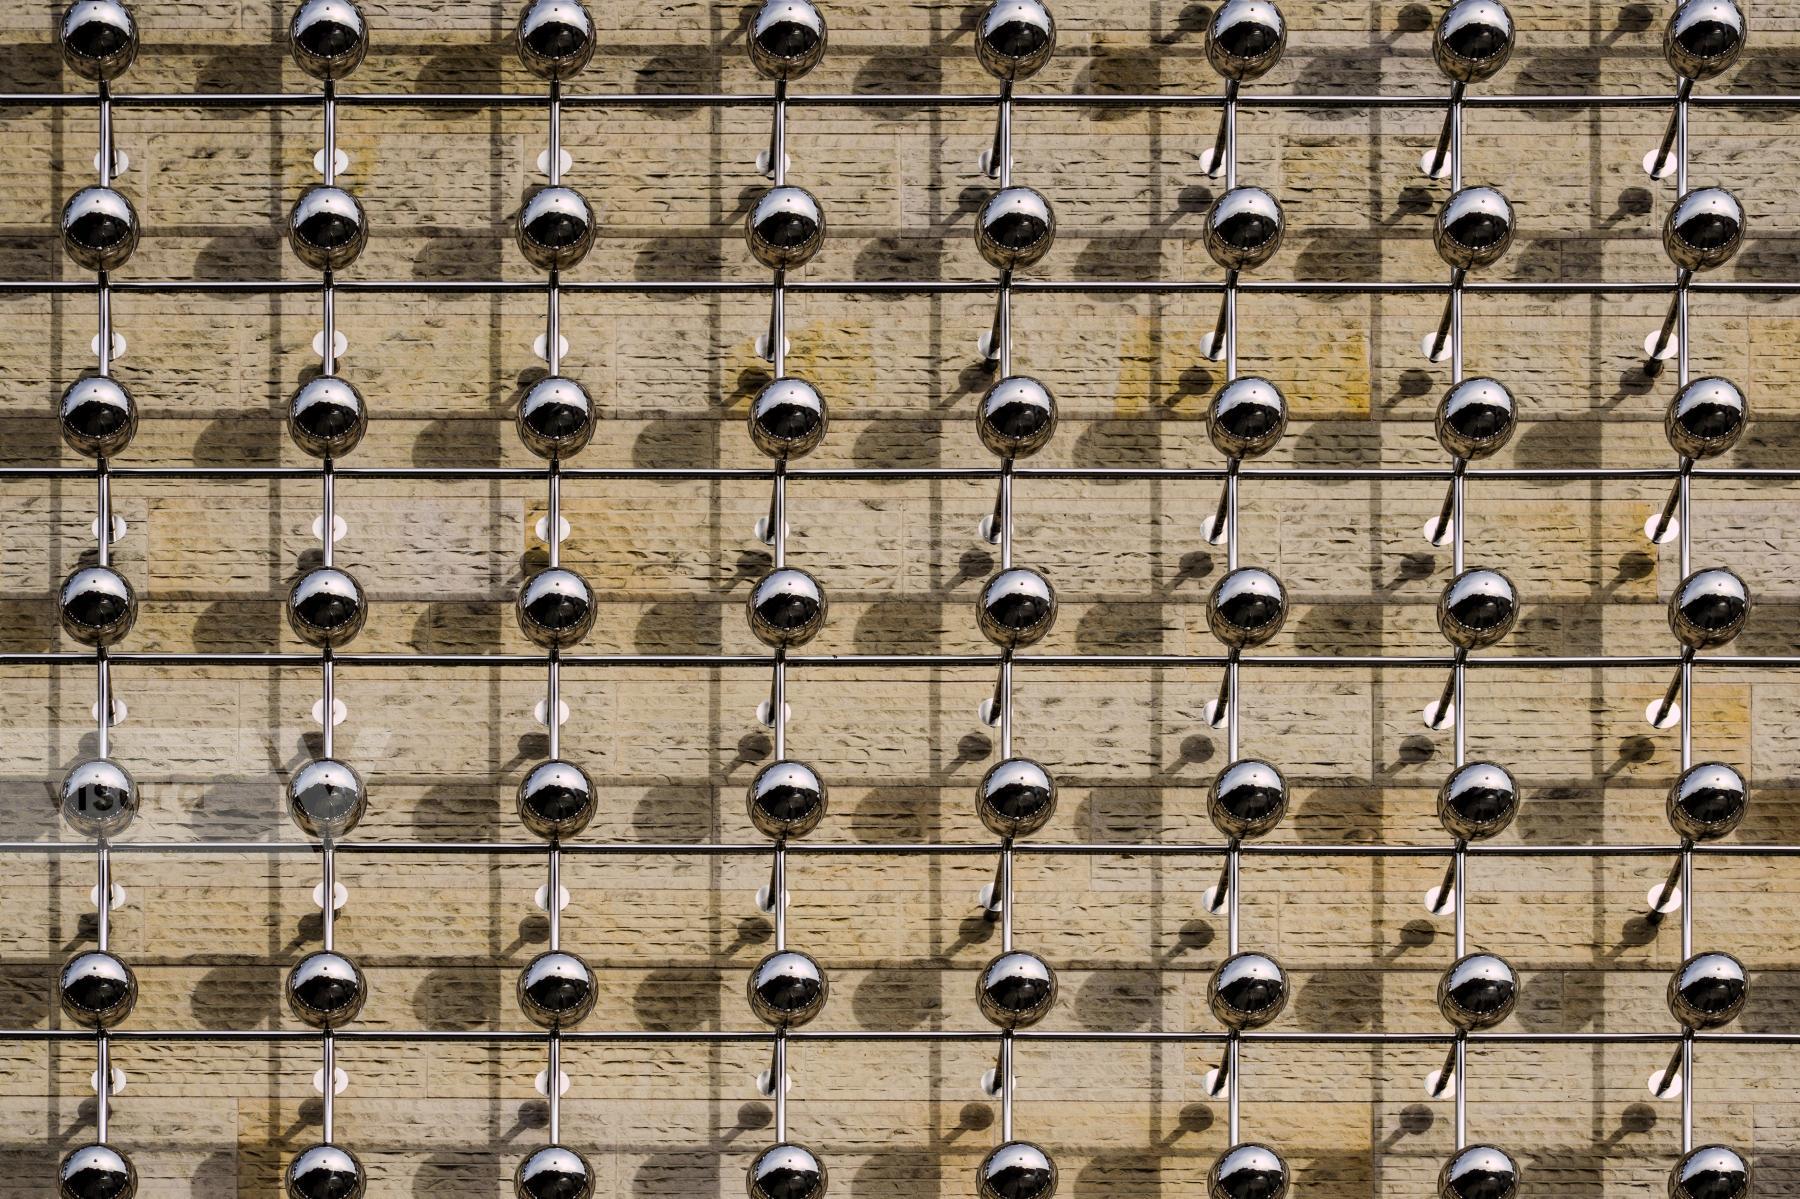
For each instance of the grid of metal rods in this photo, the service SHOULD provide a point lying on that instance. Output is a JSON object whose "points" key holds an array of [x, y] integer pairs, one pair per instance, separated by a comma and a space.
{"points": [[1473, 38]]}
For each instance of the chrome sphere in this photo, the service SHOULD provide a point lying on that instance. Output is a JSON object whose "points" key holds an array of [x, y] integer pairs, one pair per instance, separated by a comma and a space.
{"points": [[787, 418], [556, 989], [326, 798], [787, 989], [1017, 608], [555, 608], [787, 38], [556, 227], [554, 1172], [1247, 417], [1247, 799], [1245, 38], [1016, 1170], [98, 416], [1704, 229], [1477, 801], [97, 989], [326, 608], [1476, 418], [1479, 1172], [556, 799], [1015, 38], [98, 798], [1243, 228], [96, 1172], [1707, 801], [1705, 418], [1016, 798], [99, 39], [785, 228], [1016, 417], [556, 418], [1709, 608], [326, 417], [326, 990], [1474, 228], [1248, 990], [1016, 989], [787, 608], [328, 38], [97, 606], [1246, 608], [326, 1172], [1708, 991], [1473, 40], [327, 228], [1710, 1172], [1015, 228], [1248, 1171], [786, 1171], [787, 799], [1477, 992], [556, 38], [1703, 38], [99, 229], [1477, 609]]}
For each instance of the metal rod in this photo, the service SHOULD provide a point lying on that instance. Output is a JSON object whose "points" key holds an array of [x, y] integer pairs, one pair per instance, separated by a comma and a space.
{"points": [[1669, 506], [1234, 1062], [778, 1077], [327, 894], [1451, 114], [553, 894], [553, 1085], [778, 135], [777, 335], [1227, 120], [102, 1084], [1458, 276], [1682, 95], [1672, 322], [1000, 154], [1460, 1051], [328, 1079], [1004, 1068]]}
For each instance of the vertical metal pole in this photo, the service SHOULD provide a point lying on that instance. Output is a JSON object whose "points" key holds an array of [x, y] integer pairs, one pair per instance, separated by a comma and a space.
{"points": [[553, 1087], [778, 1074], [102, 1084], [328, 1075]]}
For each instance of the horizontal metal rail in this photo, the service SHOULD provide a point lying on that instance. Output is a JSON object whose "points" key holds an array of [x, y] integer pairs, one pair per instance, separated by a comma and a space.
{"points": [[677, 474], [986, 662]]}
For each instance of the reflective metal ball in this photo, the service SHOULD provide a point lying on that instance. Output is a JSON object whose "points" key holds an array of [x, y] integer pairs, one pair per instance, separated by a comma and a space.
{"points": [[1015, 38], [556, 38], [1703, 38], [1016, 798], [1016, 417], [1016, 1170], [1705, 418], [1247, 417], [98, 798], [1246, 607], [1248, 990], [786, 608], [326, 798], [99, 38], [1017, 608], [1479, 1172], [1016, 989], [785, 228], [328, 37], [99, 229], [556, 227], [1709, 608], [556, 989], [96, 1172], [1477, 801], [787, 799], [1474, 38], [786, 1171], [787, 38], [326, 417], [98, 416], [1710, 1172], [556, 418], [97, 990], [1245, 38], [327, 227], [1707, 801], [556, 799], [1243, 228], [554, 1172], [326, 608], [1247, 798], [1704, 229], [1477, 992], [326, 990], [97, 606], [1708, 991], [1477, 609], [1474, 228], [555, 608], [787, 989], [326, 1172], [1015, 228], [1248, 1171], [787, 418], [1476, 418]]}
